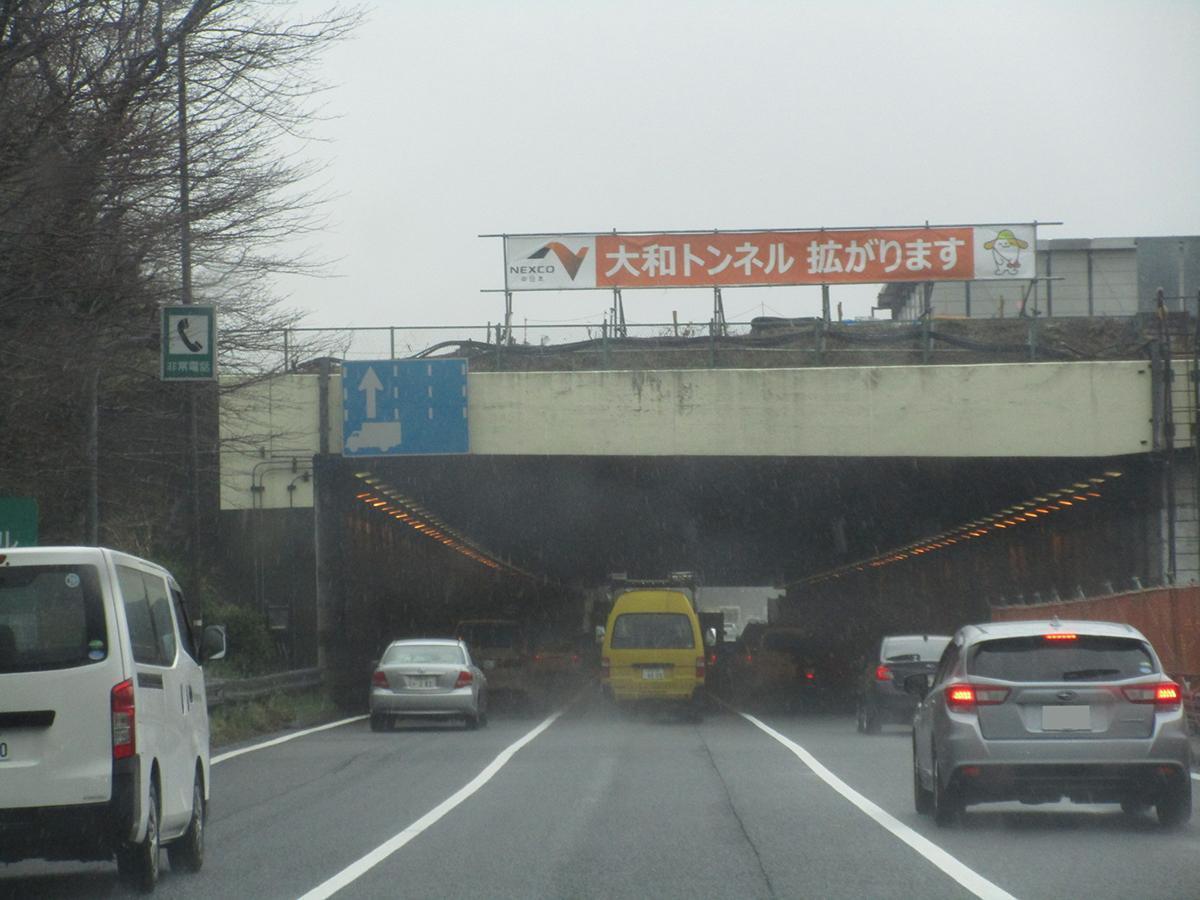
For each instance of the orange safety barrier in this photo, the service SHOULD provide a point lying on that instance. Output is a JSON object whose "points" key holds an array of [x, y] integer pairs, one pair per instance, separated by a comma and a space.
{"points": [[1169, 617]]}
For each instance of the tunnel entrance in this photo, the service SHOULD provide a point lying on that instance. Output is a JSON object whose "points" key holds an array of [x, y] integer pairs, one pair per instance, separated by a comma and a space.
{"points": [[412, 545]]}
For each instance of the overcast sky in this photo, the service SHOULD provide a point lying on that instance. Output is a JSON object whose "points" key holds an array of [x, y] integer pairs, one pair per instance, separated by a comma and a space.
{"points": [[458, 118]]}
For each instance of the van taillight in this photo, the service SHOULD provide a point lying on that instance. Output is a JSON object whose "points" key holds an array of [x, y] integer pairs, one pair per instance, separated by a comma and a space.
{"points": [[965, 697], [605, 667], [700, 667], [883, 673], [464, 679], [1165, 695], [124, 738]]}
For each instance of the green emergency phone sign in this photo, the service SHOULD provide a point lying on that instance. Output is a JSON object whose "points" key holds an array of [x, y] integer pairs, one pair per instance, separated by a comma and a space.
{"points": [[18, 522], [189, 343]]}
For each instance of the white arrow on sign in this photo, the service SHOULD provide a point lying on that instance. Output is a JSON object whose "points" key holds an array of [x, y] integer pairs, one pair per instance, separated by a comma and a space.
{"points": [[370, 385]]}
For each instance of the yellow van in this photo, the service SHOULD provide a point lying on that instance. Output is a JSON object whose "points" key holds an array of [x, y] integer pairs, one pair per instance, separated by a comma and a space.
{"points": [[653, 650]]}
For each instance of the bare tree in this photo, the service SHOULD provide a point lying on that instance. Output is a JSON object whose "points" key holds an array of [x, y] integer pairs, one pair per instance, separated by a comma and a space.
{"points": [[90, 224]]}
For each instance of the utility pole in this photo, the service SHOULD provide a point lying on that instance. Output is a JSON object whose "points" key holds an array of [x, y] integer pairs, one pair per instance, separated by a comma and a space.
{"points": [[185, 295]]}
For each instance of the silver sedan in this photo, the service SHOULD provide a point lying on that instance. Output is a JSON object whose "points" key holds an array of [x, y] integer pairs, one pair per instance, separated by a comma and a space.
{"points": [[428, 678]]}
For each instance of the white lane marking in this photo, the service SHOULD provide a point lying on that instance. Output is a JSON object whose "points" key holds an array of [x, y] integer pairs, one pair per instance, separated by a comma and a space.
{"points": [[221, 757], [357, 869], [968, 878]]}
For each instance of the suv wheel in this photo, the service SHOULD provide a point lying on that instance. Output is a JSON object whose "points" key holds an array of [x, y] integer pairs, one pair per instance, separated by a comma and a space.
{"points": [[922, 796], [946, 802], [1174, 806]]}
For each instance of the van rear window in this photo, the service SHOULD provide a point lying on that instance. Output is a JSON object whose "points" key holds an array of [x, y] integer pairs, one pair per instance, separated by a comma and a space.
{"points": [[51, 617], [652, 631]]}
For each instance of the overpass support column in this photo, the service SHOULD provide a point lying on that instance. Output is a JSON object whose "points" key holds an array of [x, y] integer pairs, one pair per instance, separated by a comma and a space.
{"points": [[1186, 528]]}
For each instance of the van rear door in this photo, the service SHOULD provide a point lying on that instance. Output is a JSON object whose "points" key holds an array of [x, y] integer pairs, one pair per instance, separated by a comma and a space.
{"points": [[58, 666]]}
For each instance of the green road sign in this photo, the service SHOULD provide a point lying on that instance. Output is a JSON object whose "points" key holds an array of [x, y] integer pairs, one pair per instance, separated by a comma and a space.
{"points": [[189, 343], [18, 522]]}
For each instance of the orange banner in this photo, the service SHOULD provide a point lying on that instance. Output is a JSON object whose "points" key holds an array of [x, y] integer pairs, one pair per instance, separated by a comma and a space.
{"points": [[784, 257]]}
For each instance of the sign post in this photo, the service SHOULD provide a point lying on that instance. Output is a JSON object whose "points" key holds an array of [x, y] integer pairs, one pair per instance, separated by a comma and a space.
{"points": [[189, 343]]}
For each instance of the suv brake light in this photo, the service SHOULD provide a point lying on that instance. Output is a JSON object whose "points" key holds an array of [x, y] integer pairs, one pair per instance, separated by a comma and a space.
{"points": [[883, 673], [965, 697], [700, 668], [1165, 695], [464, 679], [605, 667], [124, 737]]}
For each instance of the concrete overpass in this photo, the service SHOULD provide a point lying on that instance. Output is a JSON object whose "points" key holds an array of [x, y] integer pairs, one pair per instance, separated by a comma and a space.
{"points": [[1048, 409]]}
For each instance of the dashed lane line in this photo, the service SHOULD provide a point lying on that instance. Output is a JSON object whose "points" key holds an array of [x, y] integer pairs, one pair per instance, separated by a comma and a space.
{"points": [[967, 877]]}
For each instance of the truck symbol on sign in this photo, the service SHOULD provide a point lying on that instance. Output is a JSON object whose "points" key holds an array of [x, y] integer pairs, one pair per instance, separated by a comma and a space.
{"points": [[380, 436]]}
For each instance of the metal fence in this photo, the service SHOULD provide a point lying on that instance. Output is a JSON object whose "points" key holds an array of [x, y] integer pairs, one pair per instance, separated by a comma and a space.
{"points": [[773, 341]]}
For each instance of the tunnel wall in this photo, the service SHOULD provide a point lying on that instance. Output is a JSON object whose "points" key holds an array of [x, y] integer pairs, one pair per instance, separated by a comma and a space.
{"points": [[1112, 548], [1169, 617]]}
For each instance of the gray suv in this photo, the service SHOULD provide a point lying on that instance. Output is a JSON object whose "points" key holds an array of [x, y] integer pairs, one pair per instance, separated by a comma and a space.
{"points": [[1044, 710]]}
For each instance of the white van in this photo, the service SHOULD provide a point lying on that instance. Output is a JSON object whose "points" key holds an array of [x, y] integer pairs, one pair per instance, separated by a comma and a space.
{"points": [[103, 719]]}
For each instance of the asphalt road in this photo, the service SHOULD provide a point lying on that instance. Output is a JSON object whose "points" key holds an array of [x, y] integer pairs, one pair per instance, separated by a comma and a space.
{"points": [[602, 804]]}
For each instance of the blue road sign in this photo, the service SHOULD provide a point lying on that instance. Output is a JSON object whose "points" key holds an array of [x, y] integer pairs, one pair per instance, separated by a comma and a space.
{"points": [[396, 407]]}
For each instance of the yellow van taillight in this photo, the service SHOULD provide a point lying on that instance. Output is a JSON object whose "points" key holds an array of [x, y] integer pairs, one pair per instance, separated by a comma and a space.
{"points": [[124, 738], [700, 668], [605, 667]]}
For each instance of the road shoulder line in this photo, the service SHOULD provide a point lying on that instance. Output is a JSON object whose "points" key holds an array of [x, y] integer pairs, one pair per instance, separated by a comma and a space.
{"points": [[965, 876], [283, 739]]}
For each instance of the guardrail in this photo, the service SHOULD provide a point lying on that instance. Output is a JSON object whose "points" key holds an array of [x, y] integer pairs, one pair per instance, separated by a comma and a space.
{"points": [[239, 690]]}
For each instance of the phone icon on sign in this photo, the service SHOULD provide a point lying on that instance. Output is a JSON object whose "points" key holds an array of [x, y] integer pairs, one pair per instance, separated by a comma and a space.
{"points": [[182, 328]]}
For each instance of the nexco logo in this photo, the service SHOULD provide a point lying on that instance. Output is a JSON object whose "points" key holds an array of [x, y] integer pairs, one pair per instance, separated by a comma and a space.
{"points": [[546, 269], [569, 260]]}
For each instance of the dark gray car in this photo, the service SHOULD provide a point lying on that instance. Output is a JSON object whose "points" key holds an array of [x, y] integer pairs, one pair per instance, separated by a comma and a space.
{"points": [[1040, 711], [880, 695]]}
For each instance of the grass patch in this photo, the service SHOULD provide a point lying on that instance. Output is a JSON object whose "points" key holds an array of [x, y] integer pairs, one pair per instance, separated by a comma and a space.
{"points": [[231, 723]]}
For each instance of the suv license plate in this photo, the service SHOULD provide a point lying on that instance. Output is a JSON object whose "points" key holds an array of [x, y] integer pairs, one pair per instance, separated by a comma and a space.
{"points": [[654, 674], [1066, 718]]}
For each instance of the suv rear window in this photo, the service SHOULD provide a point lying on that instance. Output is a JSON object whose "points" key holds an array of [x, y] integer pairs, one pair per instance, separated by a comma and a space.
{"points": [[1086, 658], [51, 617], [652, 631]]}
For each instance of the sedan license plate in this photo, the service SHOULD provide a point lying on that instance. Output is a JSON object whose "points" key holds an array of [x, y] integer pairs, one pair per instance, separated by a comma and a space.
{"points": [[654, 674], [422, 681], [1066, 718]]}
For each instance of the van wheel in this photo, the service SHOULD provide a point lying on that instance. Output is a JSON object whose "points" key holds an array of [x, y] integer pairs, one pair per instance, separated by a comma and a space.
{"points": [[138, 863], [187, 853]]}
